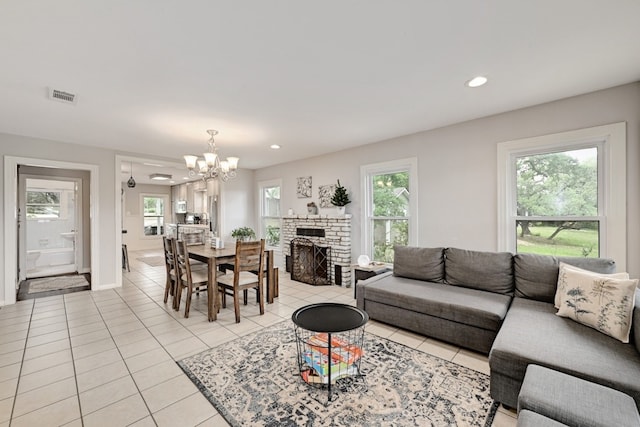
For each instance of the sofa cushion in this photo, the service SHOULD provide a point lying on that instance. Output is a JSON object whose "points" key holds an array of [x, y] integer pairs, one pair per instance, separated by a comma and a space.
{"points": [[574, 401], [635, 324], [598, 301], [467, 306], [419, 263], [487, 271], [532, 333], [527, 418], [536, 276]]}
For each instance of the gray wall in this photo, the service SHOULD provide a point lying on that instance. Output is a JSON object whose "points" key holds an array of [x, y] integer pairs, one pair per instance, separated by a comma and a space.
{"points": [[19, 146], [238, 202], [457, 168], [132, 216]]}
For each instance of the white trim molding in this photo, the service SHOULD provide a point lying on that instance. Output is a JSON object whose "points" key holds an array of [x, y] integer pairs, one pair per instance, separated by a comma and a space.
{"points": [[409, 164], [612, 138], [10, 219]]}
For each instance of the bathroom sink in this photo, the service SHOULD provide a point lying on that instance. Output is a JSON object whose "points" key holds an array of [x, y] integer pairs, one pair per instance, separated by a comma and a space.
{"points": [[70, 235]]}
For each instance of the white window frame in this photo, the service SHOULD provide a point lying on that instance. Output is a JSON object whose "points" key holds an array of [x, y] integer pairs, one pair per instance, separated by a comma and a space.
{"points": [[263, 232], [165, 200], [612, 178], [366, 172], [62, 214]]}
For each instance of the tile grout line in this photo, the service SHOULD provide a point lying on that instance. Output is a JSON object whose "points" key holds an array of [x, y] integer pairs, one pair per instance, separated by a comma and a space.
{"points": [[24, 350], [73, 364], [151, 298], [152, 334], [125, 364]]}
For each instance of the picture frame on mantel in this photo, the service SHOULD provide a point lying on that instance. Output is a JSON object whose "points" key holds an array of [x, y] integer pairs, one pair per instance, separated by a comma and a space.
{"points": [[303, 189]]}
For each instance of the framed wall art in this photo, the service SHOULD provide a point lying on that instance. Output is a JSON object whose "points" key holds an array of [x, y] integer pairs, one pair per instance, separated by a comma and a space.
{"points": [[304, 187], [326, 193]]}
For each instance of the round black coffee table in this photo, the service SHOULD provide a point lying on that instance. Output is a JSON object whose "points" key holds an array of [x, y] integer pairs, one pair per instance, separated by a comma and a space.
{"points": [[330, 338]]}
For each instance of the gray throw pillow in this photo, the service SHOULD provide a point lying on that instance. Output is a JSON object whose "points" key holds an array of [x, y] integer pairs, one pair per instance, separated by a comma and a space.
{"points": [[536, 276], [487, 271], [419, 263]]}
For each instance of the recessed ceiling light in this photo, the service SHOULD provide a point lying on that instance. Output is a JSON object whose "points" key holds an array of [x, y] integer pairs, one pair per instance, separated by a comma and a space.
{"points": [[274, 146], [476, 81], [160, 176]]}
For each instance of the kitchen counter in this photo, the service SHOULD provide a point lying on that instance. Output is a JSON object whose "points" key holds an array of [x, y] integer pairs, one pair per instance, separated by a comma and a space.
{"points": [[193, 234]]}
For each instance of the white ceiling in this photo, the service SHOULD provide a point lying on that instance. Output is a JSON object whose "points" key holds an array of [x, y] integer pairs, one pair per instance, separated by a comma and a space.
{"points": [[152, 75]]}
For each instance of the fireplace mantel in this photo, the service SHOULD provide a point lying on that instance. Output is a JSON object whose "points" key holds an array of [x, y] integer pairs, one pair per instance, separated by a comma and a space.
{"points": [[337, 230], [315, 217]]}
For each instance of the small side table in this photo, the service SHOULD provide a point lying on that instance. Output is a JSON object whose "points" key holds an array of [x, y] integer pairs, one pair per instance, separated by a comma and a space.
{"points": [[364, 273], [329, 339]]}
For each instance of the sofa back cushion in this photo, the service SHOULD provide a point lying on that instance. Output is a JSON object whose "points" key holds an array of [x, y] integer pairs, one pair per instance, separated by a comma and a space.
{"points": [[536, 276], [635, 323], [487, 271], [419, 263]]}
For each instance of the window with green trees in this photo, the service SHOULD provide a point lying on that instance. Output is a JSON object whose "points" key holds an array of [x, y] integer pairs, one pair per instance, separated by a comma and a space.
{"points": [[565, 193], [43, 204], [271, 213], [388, 210], [557, 203]]}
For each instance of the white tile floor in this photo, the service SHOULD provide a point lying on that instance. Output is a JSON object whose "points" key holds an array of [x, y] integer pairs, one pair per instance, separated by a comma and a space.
{"points": [[107, 357]]}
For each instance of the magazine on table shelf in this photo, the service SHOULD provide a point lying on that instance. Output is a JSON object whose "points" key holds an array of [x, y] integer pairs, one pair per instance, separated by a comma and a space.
{"points": [[344, 356]]}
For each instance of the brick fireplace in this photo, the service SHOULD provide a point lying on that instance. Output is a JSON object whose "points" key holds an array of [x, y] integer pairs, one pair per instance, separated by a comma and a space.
{"points": [[333, 231]]}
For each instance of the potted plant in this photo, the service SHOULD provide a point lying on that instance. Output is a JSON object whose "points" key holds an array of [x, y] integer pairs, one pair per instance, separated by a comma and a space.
{"points": [[340, 198], [243, 234], [312, 208]]}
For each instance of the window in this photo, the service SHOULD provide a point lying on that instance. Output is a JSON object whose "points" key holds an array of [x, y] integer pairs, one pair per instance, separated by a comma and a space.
{"points": [[557, 209], [270, 213], [153, 215], [390, 219], [555, 194], [43, 204]]}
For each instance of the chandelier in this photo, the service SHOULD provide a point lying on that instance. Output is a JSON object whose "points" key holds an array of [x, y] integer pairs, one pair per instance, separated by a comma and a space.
{"points": [[212, 167]]}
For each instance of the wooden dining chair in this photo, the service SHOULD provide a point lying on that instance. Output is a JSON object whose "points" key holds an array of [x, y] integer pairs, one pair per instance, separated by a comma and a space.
{"points": [[249, 259], [170, 264], [193, 280]]}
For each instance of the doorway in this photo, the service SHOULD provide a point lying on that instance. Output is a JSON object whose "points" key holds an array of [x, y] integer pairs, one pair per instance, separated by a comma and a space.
{"points": [[50, 229], [88, 233]]}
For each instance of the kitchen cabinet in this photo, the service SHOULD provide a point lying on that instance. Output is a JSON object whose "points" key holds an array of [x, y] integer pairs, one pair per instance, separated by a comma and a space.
{"points": [[193, 193], [200, 196], [189, 196]]}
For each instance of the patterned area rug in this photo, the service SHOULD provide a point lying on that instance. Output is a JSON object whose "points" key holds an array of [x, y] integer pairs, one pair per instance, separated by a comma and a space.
{"points": [[57, 283], [153, 261], [254, 381]]}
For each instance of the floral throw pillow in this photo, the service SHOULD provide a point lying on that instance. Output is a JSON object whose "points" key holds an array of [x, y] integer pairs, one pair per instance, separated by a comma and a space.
{"points": [[600, 302], [562, 281]]}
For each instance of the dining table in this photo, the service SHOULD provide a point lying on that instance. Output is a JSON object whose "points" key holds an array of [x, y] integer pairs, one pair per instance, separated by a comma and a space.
{"points": [[216, 257]]}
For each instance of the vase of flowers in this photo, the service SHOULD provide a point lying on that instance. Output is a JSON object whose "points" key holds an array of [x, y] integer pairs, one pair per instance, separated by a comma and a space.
{"points": [[312, 208], [340, 199]]}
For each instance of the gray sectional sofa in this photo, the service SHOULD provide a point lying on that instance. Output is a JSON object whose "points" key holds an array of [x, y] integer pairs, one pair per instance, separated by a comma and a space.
{"points": [[501, 304]]}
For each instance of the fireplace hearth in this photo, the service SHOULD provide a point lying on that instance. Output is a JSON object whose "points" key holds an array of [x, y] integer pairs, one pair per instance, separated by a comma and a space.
{"points": [[310, 262], [332, 231]]}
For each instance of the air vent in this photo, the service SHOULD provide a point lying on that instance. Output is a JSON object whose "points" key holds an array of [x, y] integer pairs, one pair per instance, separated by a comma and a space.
{"points": [[62, 96]]}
